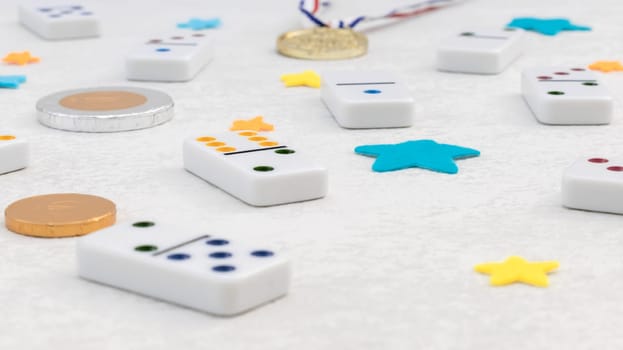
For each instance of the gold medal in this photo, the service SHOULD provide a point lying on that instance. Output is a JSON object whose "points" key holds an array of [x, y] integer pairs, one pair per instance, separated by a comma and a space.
{"points": [[59, 215], [322, 43]]}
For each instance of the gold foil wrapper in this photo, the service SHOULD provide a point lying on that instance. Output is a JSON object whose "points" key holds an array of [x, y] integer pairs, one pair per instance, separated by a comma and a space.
{"points": [[322, 44], [59, 215]]}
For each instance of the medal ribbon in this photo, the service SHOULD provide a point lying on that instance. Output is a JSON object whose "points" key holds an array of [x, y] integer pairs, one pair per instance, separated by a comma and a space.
{"points": [[312, 8]]}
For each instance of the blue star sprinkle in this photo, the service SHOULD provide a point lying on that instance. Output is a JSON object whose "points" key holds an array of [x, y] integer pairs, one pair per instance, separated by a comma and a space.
{"points": [[426, 154], [198, 24], [551, 26], [11, 81]]}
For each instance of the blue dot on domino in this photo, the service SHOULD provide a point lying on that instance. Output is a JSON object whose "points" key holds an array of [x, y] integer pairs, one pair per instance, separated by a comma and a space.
{"points": [[220, 255], [163, 49], [224, 268], [262, 253], [372, 91], [217, 242], [178, 256]]}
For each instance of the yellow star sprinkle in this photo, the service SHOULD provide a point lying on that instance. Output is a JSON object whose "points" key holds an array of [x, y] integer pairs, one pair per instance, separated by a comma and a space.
{"points": [[306, 78], [517, 269], [255, 124], [606, 66], [20, 58]]}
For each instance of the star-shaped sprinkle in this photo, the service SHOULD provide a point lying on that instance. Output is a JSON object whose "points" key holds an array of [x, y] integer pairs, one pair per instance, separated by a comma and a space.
{"points": [[255, 124], [20, 58], [306, 78], [426, 154], [517, 269], [199, 24], [546, 26], [11, 81], [606, 66]]}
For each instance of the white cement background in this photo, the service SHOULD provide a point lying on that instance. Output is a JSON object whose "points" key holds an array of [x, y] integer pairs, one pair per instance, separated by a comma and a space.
{"points": [[385, 260]]}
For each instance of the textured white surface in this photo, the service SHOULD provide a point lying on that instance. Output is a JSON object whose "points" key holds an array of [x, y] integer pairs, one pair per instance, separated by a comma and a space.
{"points": [[385, 260]]}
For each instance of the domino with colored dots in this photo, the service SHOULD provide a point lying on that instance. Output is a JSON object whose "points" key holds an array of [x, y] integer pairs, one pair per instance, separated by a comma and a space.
{"points": [[56, 22], [594, 184], [481, 51], [371, 99], [566, 96], [188, 267], [14, 154], [176, 57], [254, 168]]}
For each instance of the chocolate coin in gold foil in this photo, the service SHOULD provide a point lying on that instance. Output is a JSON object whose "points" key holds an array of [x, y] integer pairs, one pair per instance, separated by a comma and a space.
{"points": [[59, 215], [322, 43]]}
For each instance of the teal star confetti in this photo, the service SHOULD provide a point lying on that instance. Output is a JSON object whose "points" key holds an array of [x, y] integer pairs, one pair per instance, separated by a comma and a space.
{"points": [[198, 24], [11, 81], [546, 26], [426, 154]]}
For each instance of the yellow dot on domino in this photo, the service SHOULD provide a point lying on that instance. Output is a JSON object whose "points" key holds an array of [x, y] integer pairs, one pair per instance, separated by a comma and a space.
{"points": [[226, 149], [14, 153], [217, 145], [263, 141]]}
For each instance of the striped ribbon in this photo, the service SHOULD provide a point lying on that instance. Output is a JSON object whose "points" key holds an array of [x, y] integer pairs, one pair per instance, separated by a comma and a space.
{"points": [[311, 9]]}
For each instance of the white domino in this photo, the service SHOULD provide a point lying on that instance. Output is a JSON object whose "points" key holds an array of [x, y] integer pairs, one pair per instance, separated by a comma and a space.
{"points": [[594, 184], [367, 99], [255, 168], [189, 267], [566, 96], [56, 21], [177, 56], [14, 154], [480, 51]]}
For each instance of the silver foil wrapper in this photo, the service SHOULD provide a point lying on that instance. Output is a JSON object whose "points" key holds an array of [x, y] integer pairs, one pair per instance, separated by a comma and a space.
{"points": [[157, 109]]}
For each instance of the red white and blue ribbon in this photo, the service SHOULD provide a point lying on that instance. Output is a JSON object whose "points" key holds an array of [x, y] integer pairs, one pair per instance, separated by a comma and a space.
{"points": [[311, 9]]}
